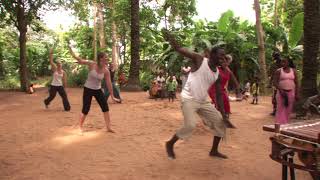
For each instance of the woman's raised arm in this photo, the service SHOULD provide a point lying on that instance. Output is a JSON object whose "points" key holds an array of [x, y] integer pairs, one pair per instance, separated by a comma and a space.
{"points": [[80, 60], [53, 65]]}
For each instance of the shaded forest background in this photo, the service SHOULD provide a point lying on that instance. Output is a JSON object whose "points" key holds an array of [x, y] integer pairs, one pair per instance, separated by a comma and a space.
{"points": [[130, 32]]}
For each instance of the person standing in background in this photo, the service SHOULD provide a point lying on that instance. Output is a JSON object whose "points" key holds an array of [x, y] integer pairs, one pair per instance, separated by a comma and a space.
{"points": [[286, 82], [271, 73], [116, 91]]}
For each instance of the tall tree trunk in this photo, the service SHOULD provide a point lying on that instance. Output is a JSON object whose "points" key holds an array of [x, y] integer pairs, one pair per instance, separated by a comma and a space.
{"points": [[311, 47], [133, 81], [124, 47], [95, 13], [262, 57], [114, 37], [2, 73], [22, 27], [102, 39]]}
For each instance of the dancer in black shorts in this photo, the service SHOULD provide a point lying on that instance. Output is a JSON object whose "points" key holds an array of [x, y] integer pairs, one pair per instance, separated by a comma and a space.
{"points": [[92, 87], [58, 84]]}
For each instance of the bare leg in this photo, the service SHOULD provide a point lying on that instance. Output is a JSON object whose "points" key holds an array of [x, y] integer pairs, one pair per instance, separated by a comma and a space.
{"points": [[214, 150], [107, 120], [169, 146], [81, 121]]}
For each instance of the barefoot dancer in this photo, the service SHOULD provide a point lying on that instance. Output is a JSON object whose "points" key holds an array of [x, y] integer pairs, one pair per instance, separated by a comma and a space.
{"points": [[194, 97], [92, 87], [58, 83]]}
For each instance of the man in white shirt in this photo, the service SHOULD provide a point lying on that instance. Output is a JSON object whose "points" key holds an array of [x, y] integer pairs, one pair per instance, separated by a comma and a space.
{"points": [[194, 97]]}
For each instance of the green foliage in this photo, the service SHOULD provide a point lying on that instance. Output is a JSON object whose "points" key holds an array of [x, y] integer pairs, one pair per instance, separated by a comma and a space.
{"points": [[180, 11], [78, 77], [290, 9], [83, 36], [80, 8], [9, 52], [238, 38], [145, 79], [224, 21], [10, 83], [38, 63], [296, 30]]}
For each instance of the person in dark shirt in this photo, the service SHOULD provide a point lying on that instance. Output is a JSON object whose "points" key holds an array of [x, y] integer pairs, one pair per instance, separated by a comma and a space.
{"points": [[116, 91], [273, 68]]}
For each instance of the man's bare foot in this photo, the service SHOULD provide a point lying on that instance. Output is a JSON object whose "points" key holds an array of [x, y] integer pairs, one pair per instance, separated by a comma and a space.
{"points": [[110, 130], [217, 154]]}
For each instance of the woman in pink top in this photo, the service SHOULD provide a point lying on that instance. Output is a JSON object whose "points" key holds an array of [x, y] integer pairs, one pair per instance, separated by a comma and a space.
{"points": [[286, 82]]}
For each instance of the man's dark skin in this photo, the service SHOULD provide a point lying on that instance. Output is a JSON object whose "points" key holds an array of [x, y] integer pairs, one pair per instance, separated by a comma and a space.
{"points": [[196, 61]]}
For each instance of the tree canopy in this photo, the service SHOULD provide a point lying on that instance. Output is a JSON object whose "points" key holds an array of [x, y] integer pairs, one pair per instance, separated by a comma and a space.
{"points": [[239, 38]]}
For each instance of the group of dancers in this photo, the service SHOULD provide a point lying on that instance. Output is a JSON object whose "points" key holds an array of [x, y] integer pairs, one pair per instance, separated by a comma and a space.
{"points": [[208, 75], [92, 88]]}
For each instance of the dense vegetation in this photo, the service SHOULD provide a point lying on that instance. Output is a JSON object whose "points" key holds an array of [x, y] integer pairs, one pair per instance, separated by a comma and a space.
{"points": [[282, 24]]}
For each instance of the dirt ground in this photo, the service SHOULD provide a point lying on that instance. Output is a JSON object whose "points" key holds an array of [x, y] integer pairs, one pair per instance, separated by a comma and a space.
{"points": [[38, 143]]}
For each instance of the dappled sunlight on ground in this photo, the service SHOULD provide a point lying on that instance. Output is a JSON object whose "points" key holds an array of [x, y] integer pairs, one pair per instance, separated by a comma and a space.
{"points": [[76, 136]]}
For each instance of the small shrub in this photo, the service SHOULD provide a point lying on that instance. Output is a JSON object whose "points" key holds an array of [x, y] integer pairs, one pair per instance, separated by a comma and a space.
{"points": [[145, 80], [10, 83], [78, 78]]}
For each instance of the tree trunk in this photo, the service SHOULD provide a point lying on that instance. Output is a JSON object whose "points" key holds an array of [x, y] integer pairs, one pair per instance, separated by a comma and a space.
{"points": [[262, 57], [102, 39], [95, 13], [133, 81], [2, 73], [22, 27], [114, 37], [311, 47], [124, 47]]}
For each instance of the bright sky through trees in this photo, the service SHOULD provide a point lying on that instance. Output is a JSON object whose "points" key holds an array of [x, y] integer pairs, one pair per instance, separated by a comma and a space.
{"points": [[212, 9], [207, 9]]}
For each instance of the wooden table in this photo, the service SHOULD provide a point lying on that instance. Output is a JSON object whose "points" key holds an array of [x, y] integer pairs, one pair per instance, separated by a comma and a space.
{"points": [[301, 138]]}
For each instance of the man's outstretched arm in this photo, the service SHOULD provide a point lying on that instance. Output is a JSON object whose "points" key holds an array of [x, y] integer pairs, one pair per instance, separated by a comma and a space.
{"points": [[195, 57]]}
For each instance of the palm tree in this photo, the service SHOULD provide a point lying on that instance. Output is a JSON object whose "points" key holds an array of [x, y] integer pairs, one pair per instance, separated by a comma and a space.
{"points": [[311, 47], [133, 81]]}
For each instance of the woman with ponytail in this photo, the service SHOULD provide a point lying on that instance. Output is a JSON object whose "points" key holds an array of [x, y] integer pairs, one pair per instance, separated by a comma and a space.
{"points": [[92, 87]]}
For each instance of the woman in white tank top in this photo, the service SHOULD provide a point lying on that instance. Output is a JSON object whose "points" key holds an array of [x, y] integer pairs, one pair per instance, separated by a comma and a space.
{"points": [[58, 84], [92, 87]]}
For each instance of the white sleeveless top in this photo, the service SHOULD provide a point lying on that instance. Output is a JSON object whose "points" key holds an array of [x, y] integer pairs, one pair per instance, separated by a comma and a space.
{"points": [[199, 82], [94, 80], [57, 79]]}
